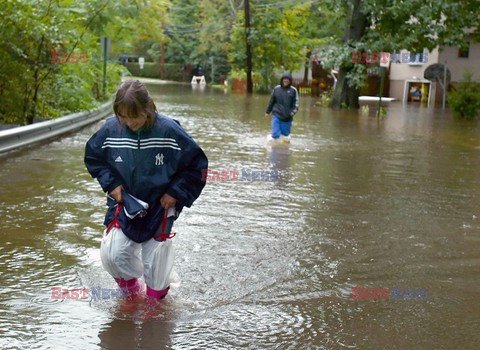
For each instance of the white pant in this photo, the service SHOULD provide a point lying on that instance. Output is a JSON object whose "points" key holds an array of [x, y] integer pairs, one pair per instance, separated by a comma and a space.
{"points": [[126, 259]]}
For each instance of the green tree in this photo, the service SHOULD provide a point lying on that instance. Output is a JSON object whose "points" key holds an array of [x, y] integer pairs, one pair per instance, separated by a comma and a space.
{"points": [[41, 71], [34, 31], [325, 23], [31, 33], [276, 38], [182, 30], [388, 25], [465, 98], [148, 34], [216, 19]]}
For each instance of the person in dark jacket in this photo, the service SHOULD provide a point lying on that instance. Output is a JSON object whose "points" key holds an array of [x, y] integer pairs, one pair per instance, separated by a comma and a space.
{"points": [[283, 105], [150, 157]]}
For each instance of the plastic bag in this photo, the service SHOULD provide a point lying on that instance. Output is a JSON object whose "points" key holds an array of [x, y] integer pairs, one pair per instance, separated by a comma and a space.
{"points": [[158, 255], [120, 256], [158, 260]]}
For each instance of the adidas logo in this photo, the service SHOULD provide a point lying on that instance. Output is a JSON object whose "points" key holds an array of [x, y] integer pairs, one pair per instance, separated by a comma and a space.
{"points": [[119, 159]]}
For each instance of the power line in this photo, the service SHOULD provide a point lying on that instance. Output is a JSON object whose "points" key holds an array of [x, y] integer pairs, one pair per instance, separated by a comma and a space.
{"points": [[282, 4], [279, 3]]}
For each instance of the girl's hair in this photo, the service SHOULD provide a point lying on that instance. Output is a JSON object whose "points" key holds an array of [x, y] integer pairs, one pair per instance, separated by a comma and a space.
{"points": [[132, 100]]}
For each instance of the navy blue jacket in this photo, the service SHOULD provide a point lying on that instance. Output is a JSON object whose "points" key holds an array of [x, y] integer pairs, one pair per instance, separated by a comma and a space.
{"points": [[148, 163], [284, 100]]}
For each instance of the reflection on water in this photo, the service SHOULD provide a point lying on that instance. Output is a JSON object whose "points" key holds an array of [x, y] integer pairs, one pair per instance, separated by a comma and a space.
{"points": [[261, 264]]}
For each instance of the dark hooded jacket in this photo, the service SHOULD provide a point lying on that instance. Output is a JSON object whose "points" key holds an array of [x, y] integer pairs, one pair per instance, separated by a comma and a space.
{"points": [[148, 163], [284, 100]]}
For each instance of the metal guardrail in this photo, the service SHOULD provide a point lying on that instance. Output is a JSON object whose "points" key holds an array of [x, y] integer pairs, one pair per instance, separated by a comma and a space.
{"points": [[22, 136]]}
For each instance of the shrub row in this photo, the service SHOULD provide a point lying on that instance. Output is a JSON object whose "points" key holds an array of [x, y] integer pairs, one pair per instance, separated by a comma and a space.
{"points": [[173, 71]]}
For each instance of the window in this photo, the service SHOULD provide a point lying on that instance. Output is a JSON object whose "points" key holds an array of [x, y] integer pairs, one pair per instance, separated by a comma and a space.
{"points": [[463, 52]]}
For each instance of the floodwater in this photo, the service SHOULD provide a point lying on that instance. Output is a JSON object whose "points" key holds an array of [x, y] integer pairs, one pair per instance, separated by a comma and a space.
{"points": [[261, 264]]}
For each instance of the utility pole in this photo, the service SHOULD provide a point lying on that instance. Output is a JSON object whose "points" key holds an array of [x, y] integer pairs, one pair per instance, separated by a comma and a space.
{"points": [[382, 80], [444, 84], [249, 48], [384, 63], [162, 64], [212, 73], [105, 46]]}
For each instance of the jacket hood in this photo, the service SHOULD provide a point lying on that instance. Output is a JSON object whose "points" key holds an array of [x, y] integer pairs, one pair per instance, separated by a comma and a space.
{"points": [[287, 75]]}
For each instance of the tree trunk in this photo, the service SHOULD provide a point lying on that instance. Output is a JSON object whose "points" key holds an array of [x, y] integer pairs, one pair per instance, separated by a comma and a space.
{"points": [[36, 83], [33, 104], [26, 103], [345, 95], [249, 47], [307, 64], [33, 109]]}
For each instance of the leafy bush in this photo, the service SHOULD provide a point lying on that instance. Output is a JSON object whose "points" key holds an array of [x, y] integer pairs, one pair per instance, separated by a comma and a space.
{"points": [[79, 87], [326, 98], [36, 82], [173, 71], [465, 98]]}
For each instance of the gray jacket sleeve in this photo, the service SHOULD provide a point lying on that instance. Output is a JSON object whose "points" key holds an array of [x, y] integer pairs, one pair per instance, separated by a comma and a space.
{"points": [[295, 103]]}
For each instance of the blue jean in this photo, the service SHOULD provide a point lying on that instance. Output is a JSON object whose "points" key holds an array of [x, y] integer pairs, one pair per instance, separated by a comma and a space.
{"points": [[280, 127]]}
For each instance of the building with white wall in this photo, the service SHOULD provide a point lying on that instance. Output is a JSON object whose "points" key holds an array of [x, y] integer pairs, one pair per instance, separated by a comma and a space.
{"points": [[405, 77]]}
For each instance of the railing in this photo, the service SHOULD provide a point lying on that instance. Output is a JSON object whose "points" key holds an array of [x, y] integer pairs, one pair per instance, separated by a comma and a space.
{"points": [[312, 87], [22, 136], [304, 88]]}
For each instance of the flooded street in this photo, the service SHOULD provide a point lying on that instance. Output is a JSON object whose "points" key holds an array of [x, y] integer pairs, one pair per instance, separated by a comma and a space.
{"points": [[261, 264]]}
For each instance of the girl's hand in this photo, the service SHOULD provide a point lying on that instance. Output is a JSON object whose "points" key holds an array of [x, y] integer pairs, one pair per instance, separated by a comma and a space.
{"points": [[168, 201], [117, 193]]}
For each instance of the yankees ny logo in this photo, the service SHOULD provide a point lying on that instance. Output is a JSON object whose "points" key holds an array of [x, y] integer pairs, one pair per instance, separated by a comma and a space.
{"points": [[159, 159]]}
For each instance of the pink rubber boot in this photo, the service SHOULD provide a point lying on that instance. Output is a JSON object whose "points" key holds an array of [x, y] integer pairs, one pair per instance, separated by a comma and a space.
{"points": [[157, 294], [132, 286]]}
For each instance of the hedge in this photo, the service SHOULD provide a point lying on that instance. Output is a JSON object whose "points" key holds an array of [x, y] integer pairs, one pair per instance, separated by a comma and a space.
{"points": [[173, 71]]}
